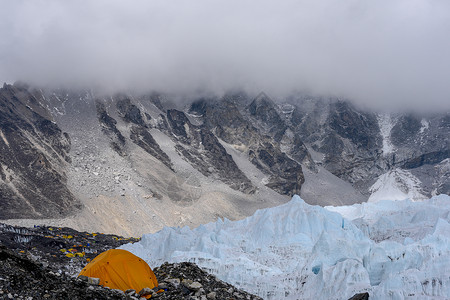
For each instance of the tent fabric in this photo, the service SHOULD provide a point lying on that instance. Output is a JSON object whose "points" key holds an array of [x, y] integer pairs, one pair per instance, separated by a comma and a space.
{"points": [[120, 269]]}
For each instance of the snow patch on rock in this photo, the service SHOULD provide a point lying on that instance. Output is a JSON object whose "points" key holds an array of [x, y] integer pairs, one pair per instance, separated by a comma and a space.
{"points": [[396, 184], [386, 124]]}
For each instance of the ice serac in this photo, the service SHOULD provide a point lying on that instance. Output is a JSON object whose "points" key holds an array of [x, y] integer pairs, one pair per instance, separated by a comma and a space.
{"points": [[391, 249]]}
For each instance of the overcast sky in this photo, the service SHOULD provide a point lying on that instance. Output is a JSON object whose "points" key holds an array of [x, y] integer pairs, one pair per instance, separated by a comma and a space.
{"points": [[384, 53]]}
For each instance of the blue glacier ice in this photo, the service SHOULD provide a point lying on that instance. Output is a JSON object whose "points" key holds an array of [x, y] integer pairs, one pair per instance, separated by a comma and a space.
{"points": [[391, 249]]}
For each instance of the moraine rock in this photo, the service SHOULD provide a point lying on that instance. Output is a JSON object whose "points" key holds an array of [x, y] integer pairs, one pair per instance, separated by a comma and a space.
{"points": [[35, 267]]}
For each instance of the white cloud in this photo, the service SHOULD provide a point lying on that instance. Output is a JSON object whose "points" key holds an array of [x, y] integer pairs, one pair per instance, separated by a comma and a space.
{"points": [[386, 53]]}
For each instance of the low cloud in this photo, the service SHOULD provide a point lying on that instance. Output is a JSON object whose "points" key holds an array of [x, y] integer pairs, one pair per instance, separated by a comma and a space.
{"points": [[385, 54]]}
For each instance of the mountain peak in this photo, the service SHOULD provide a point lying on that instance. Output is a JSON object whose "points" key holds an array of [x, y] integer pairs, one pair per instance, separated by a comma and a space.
{"points": [[262, 98]]}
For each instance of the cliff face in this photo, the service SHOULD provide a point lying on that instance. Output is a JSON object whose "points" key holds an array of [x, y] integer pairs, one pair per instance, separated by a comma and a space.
{"points": [[33, 158], [218, 157]]}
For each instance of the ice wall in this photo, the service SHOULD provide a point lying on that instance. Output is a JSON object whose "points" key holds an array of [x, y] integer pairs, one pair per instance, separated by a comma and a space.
{"points": [[391, 249]]}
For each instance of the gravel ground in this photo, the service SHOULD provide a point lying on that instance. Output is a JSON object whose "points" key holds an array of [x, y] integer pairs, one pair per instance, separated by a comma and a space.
{"points": [[42, 263]]}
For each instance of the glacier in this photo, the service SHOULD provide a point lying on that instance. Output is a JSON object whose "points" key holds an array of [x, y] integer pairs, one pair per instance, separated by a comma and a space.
{"points": [[390, 249]]}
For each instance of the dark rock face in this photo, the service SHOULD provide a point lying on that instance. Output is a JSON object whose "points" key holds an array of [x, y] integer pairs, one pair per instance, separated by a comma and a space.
{"points": [[333, 146], [361, 128], [200, 147], [108, 125], [287, 178], [352, 143], [141, 137], [420, 141], [263, 109], [225, 119], [224, 116], [279, 139], [348, 140], [129, 112], [444, 188], [268, 119], [426, 159], [177, 121], [405, 130], [33, 158], [139, 133]]}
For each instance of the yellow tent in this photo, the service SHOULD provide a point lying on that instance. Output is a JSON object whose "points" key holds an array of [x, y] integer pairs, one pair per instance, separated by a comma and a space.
{"points": [[120, 269]]}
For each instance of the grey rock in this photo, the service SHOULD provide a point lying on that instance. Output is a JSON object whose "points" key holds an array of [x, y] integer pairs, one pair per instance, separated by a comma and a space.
{"points": [[145, 291], [200, 147], [35, 152], [94, 281], [174, 281], [195, 285]]}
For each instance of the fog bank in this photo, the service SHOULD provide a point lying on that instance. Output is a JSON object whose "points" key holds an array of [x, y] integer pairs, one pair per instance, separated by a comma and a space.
{"points": [[382, 54]]}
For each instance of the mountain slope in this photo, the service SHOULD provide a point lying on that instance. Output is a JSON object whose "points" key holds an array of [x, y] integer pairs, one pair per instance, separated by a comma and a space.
{"points": [[34, 154], [130, 164]]}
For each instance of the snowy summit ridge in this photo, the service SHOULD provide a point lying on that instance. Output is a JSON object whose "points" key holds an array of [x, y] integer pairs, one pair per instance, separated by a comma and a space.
{"points": [[299, 251]]}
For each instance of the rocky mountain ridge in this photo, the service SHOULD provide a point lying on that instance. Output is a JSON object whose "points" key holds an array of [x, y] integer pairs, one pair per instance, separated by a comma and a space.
{"points": [[125, 161]]}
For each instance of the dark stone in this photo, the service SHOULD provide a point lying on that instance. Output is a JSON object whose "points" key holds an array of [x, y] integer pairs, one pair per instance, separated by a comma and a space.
{"points": [[162, 123], [46, 278], [360, 296], [225, 113]]}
